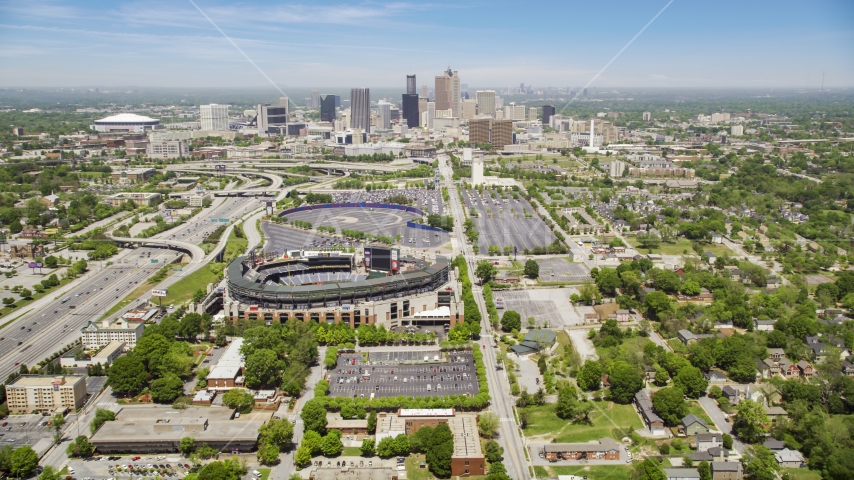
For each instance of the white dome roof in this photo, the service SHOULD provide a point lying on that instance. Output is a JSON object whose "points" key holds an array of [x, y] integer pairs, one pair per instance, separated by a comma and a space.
{"points": [[127, 118]]}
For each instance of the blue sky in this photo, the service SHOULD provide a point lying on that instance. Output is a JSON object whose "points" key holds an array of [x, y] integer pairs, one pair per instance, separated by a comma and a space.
{"points": [[491, 43]]}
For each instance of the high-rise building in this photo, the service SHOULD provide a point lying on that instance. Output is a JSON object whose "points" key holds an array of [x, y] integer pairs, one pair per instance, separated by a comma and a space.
{"points": [[384, 111], [486, 102], [514, 112], [410, 84], [315, 99], [497, 133], [431, 114], [469, 108], [411, 112], [360, 108], [327, 108], [214, 117], [45, 393], [267, 116], [548, 112], [425, 93], [448, 92], [533, 114], [647, 116]]}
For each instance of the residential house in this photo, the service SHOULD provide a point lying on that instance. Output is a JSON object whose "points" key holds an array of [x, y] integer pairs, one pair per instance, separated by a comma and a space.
{"points": [[686, 337], [50, 200], [763, 325], [694, 425], [774, 445], [644, 405], [726, 470], [732, 395], [605, 449], [623, 315], [806, 370], [848, 369], [763, 370], [789, 369], [773, 283], [710, 257], [709, 440], [819, 348], [682, 474], [715, 376], [773, 367], [717, 237], [710, 455], [775, 414], [776, 354], [789, 458]]}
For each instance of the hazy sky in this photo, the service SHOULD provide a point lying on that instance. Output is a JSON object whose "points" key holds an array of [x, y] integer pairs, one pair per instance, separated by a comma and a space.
{"points": [[743, 43]]}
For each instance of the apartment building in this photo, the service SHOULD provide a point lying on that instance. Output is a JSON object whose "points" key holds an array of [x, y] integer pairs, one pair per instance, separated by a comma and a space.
{"points": [[95, 335], [45, 393], [143, 199]]}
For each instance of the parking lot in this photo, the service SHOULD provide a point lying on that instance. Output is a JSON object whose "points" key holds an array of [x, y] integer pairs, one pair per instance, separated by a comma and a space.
{"points": [[379, 221], [562, 270], [20, 430], [428, 200], [503, 222], [550, 307], [387, 374], [125, 467]]}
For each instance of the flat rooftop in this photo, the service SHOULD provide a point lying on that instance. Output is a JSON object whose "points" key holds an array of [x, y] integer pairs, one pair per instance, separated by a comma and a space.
{"points": [[45, 380], [466, 438]]}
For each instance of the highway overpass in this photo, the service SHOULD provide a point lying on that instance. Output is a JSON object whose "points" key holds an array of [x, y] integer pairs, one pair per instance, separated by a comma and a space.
{"points": [[193, 250]]}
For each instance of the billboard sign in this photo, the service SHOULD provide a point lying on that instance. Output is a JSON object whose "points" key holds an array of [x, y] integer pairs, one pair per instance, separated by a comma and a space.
{"points": [[159, 292], [31, 265], [368, 255], [346, 308], [394, 260], [38, 265]]}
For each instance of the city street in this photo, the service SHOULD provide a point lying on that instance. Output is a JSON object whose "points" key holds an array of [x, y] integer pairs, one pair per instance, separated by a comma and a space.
{"points": [[717, 416]]}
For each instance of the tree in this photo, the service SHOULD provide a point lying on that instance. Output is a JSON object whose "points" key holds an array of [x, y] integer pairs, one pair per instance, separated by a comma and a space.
{"points": [[303, 456], [568, 407], [485, 271], [314, 416], [167, 389], [440, 450], [691, 381], [56, 423], [80, 447], [511, 321], [727, 441], [497, 471], [239, 399], [704, 470], [25, 293], [23, 461], [590, 376], [372, 422], [101, 416], [401, 445], [263, 368], [268, 453], [368, 447], [50, 473], [648, 470], [487, 424], [187, 445], [749, 422], [311, 440], [191, 325], [760, 464], [661, 377], [608, 281], [127, 375], [532, 268], [669, 403], [198, 295], [385, 448], [690, 288], [656, 303], [331, 444], [277, 432], [776, 339], [222, 470], [625, 382], [493, 451]]}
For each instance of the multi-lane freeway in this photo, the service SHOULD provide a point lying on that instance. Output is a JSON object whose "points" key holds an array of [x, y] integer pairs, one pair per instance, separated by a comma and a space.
{"points": [[44, 330]]}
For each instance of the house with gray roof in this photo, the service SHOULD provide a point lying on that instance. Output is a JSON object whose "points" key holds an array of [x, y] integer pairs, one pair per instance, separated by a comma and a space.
{"points": [[694, 425]]}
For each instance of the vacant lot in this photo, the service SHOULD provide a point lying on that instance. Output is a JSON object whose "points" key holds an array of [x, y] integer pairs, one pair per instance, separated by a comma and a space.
{"points": [[679, 247], [543, 424], [594, 472]]}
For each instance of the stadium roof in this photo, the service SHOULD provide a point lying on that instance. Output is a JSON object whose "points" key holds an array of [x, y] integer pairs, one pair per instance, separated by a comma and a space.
{"points": [[126, 118]]}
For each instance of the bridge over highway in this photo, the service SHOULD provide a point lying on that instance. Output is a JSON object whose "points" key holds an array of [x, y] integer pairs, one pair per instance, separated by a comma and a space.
{"points": [[193, 250]]}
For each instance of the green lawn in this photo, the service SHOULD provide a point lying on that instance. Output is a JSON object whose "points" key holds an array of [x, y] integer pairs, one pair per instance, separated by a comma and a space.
{"points": [[677, 247], [265, 473], [413, 471], [183, 289], [677, 346], [595, 472], [352, 452], [801, 474], [605, 417], [699, 412], [632, 346]]}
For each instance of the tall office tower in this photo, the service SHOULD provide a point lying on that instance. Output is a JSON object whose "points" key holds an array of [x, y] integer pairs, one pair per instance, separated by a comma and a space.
{"points": [[327, 108], [497, 133], [548, 112], [647, 116], [315, 99], [431, 114], [584, 92], [469, 108], [514, 112], [533, 114], [284, 102], [521, 88], [486, 102], [499, 102], [448, 92], [337, 101], [410, 84], [360, 108], [214, 117], [411, 112], [384, 111], [267, 116]]}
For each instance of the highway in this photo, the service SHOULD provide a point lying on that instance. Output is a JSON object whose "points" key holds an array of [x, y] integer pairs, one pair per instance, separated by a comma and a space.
{"points": [[499, 388], [55, 323]]}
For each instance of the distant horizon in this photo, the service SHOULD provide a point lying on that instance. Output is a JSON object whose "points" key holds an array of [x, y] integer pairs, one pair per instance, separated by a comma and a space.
{"points": [[224, 44]]}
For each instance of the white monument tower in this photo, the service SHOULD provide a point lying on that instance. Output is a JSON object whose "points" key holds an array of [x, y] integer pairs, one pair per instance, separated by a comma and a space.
{"points": [[476, 166]]}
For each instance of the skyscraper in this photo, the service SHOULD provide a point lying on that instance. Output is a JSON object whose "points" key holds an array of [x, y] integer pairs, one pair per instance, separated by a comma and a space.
{"points": [[548, 111], [360, 108], [327, 108], [268, 116], [410, 110], [497, 133], [448, 92], [486, 102], [214, 117], [424, 92], [384, 111], [410, 84], [315, 99]]}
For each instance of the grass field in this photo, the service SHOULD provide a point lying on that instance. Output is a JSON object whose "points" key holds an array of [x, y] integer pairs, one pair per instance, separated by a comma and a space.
{"points": [[184, 289], [131, 297], [265, 473], [632, 346], [413, 471], [605, 417], [679, 246], [352, 452], [801, 474], [698, 411], [594, 472]]}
